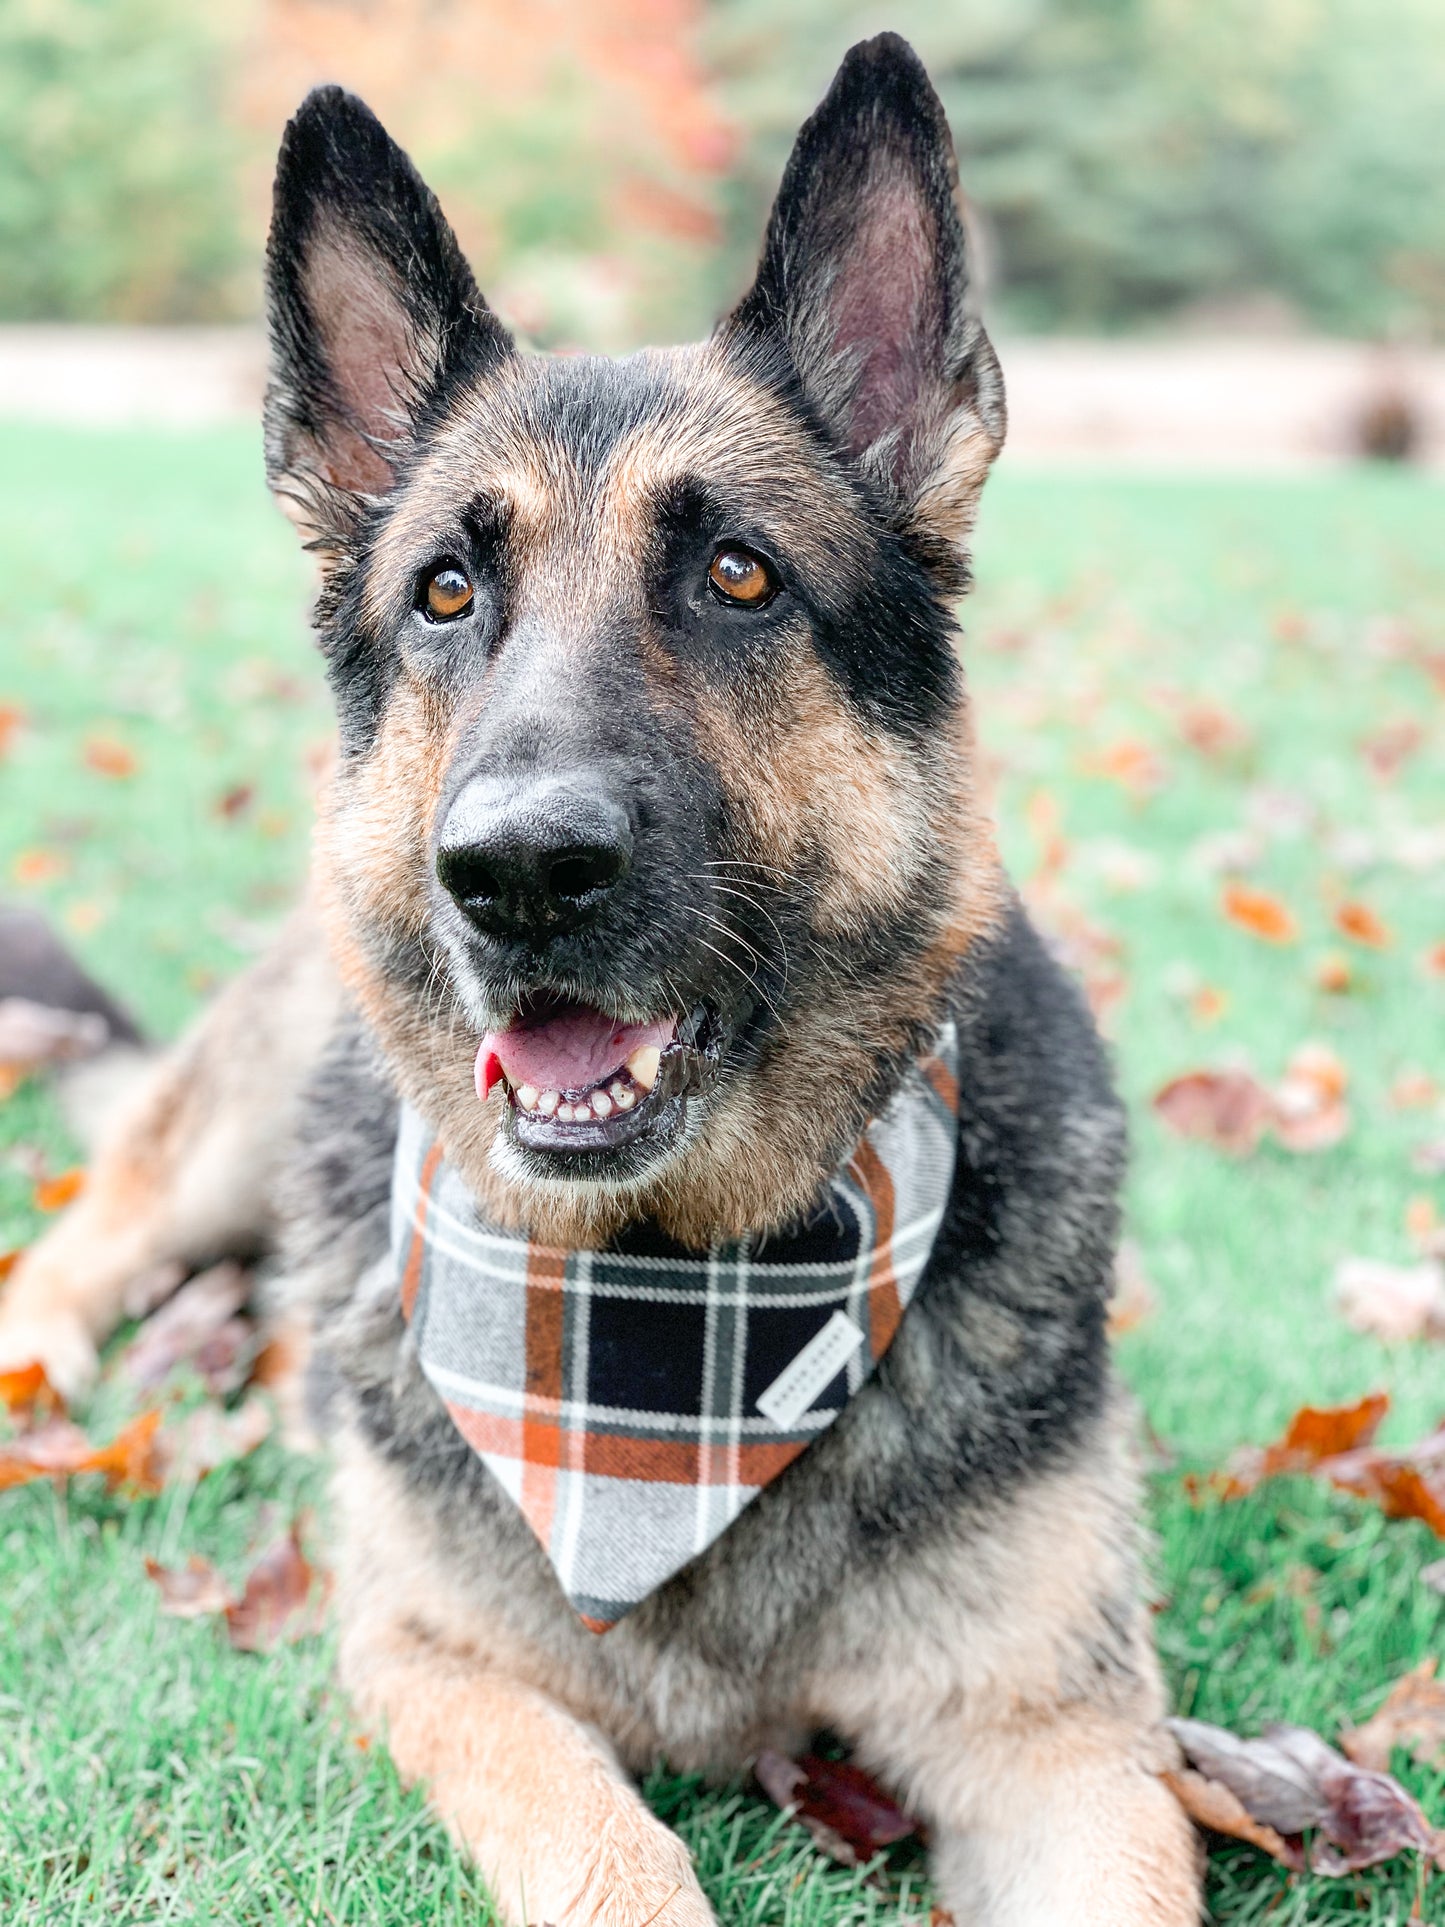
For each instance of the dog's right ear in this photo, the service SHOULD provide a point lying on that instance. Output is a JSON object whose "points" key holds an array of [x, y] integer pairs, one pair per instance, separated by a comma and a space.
{"points": [[373, 312]]}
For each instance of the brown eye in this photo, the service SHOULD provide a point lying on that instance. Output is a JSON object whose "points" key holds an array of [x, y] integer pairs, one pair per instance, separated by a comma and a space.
{"points": [[741, 577], [448, 594]]}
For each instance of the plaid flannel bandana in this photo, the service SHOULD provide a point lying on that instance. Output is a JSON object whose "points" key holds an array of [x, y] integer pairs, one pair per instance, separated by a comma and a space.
{"points": [[631, 1401]]}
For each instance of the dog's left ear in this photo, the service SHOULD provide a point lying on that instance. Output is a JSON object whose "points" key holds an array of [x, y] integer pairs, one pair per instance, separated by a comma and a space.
{"points": [[373, 312], [864, 277]]}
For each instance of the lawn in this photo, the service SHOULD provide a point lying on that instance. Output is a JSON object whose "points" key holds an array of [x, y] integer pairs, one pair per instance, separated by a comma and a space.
{"points": [[1170, 673]]}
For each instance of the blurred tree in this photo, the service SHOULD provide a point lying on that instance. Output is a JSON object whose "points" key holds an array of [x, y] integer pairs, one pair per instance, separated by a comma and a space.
{"points": [[1129, 157], [117, 163]]}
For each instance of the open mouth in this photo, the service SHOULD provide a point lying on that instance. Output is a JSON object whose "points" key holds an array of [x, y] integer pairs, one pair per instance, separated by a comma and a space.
{"points": [[578, 1080]]}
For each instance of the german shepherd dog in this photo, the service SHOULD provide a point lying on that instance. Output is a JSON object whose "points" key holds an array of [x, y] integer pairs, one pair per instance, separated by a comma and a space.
{"points": [[655, 755]]}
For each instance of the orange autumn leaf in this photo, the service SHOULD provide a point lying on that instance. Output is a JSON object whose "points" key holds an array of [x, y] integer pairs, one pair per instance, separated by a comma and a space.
{"points": [[1261, 914], [109, 757], [8, 1262], [1314, 1435], [61, 1450], [1333, 973], [1129, 762], [1358, 922], [53, 1194], [26, 1392], [40, 866], [1229, 1109], [1435, 960], [11, 720]]}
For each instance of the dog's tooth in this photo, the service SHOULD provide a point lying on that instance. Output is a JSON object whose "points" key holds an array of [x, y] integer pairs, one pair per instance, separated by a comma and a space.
{"points": [[617, 1087], [601, 1104], [625, 1098], [643, 1064], [548, 1102], [582, 1112], [527, 1096], [564, 1113]]}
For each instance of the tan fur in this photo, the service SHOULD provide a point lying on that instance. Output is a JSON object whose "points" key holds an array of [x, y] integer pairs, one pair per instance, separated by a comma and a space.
{"points": [[187, 1168], [968, 1680]]}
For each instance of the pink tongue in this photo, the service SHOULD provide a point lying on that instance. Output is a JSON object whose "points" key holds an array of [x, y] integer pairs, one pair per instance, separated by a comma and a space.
{"points": [[569, 1052]]}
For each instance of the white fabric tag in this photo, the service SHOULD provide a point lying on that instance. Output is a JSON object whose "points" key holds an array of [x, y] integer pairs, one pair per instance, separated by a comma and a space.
{"points": [[820, 1361]]}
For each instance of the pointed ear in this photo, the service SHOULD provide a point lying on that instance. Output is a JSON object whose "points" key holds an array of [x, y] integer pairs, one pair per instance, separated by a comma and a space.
{"points": [[864, 278], [372, 309]]}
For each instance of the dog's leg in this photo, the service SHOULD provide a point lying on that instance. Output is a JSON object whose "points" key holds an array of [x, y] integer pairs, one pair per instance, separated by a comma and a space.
{"points": [[531, 1790], [184, 1174], [1008, 1686], [1060, 1817]]}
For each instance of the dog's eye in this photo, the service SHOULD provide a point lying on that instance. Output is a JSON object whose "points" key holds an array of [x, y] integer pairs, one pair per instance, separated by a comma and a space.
{"points": [[738, 576], [446, 594]]}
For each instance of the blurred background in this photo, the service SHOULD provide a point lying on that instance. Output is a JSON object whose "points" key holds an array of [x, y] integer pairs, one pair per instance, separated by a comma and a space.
{"points": [[1249, 194]]}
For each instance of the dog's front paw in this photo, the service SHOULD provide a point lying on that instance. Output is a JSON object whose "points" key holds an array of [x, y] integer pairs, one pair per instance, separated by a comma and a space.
{"points": [[57, 1341]]}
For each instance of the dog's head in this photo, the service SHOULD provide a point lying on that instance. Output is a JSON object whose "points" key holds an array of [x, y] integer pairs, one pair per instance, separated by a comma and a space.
{"points": [[652, 842]]}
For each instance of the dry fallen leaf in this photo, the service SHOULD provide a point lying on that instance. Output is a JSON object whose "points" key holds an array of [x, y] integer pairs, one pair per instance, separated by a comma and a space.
{"points": [[1211, 1804], [61, 1450], [1291, 1783], [40, 866], [199, 1326], [1261, 914], [1334, 974], [27, 1394], [53, 1194], [109, 757], [1412, 1716], [849, 1816], [1211, 729], [11, 720], [1229, 1109], [1232, 1110], [192, 1591], [1314, 1434], [1359, 923], [234, 802], [1393, 1302], [277, 1588]]}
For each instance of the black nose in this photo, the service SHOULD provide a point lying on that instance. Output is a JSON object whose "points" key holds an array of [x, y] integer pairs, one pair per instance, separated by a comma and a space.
{"points": [[533, 860]]}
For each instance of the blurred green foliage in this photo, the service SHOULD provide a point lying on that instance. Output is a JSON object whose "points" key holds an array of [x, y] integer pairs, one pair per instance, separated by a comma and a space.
{"points": [[1125, 159], [118, 163], [1128, 157]]}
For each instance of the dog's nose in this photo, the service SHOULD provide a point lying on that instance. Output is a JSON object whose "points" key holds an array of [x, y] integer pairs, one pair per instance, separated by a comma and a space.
{"points": [[533, 861]]}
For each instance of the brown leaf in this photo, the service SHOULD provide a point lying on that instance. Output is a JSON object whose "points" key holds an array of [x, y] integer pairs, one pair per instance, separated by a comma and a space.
{"points": [[1359, 923], [234, 802], [109, 757], [27, 1394], [1262, 915], [1291, 1782], [1209, 1803], [1211, 729], [1390, 746], [1228, 1109], [1395, 1484], [849, 1816], [1393, 1302], [40, 866], [278, 1587], [53, 1194], [192, 1591], [1412, 1716], [1334, 974], [1314, 1435], [199, 1326], [62, 1450]]}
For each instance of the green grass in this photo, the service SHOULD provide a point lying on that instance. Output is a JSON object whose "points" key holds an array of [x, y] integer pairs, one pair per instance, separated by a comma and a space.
{"points": [[149, 593]]}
